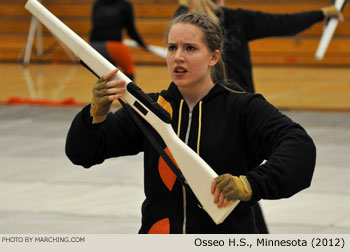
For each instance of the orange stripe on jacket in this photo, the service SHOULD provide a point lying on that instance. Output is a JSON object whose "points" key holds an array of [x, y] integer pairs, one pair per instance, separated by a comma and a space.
{"points": [[167, 175], [165, 172], [165, 105], [160, 227]]}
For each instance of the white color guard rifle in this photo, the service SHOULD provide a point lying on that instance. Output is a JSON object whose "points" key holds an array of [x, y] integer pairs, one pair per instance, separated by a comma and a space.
{"points": [[328, 32], [196, 171], [157, 50]]}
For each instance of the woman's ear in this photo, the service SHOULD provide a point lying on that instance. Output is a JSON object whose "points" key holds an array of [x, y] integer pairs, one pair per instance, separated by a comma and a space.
{"points": [[215, 58]]}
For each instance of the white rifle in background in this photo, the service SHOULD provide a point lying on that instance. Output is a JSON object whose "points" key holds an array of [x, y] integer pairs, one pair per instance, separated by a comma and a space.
{"points": [[157, 50], [328, 32]]}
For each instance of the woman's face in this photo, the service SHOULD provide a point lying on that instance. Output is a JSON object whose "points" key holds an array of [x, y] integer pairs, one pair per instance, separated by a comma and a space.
{"points": [[189, 59]]}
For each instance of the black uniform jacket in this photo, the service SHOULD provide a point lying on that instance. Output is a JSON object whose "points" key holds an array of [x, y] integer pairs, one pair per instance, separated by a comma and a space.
{"points": [[234, 132]]}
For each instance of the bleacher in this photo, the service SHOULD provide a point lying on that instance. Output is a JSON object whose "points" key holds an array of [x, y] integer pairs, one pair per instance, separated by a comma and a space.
{"points": [[152, 17]]}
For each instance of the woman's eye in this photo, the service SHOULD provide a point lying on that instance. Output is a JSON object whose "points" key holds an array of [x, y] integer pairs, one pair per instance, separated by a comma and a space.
{"points": [[190, 48], [171, 47]]}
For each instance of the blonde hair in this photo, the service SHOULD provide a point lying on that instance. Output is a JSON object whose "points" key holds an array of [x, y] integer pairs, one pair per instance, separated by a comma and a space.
{"points": [[206, 7]]}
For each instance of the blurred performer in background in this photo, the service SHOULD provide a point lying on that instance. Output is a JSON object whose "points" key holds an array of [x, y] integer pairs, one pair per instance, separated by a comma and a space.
{"points": [[109, 18], [241, 26]]}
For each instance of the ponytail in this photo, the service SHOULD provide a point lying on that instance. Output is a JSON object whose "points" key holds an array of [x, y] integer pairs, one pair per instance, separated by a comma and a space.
{"points": [[218, 72], [207, 7]]}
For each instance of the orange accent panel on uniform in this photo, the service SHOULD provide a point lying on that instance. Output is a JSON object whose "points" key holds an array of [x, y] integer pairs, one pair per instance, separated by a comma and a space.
{"points": [[165, 105], [121, 55], [160, 227], [167, 175]]}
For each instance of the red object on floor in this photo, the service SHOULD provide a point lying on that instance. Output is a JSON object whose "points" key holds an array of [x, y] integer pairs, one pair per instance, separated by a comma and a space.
{"points": [[44, 102]]}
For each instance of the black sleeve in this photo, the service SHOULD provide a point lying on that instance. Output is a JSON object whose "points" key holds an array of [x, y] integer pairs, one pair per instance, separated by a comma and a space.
{"points": [[88, 144], [130, 25], [259, 25], [289, 152]]}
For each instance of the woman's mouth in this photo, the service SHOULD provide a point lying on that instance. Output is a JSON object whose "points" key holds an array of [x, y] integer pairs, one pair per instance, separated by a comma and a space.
{"points": [[179, 71]]}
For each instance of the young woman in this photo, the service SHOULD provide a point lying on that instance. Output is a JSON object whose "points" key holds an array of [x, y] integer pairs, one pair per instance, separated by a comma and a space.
{"points": [[233, 131], [241, 26]]}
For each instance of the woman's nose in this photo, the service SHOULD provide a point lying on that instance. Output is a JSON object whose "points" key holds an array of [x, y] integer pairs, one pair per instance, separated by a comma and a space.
{"points": [[179, 55]]}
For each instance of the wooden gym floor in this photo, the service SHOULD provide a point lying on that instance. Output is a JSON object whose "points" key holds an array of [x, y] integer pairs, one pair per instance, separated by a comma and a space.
{"points": [[42, 192], [295, 88]]}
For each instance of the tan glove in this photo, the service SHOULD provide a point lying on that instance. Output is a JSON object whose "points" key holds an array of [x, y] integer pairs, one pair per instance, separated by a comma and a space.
{"points": [[331, 12], [233, 187], [100, 104]]}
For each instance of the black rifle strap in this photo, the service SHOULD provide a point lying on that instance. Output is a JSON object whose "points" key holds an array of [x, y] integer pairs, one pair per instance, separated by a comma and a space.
{"points": [[155, 143]]}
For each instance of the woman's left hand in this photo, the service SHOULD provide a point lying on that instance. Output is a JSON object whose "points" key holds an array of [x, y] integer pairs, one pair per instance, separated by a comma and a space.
{"points": [[227, 188]]}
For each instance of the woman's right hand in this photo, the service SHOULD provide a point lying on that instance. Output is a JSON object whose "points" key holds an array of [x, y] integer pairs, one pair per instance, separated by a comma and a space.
{"points": [[104, 93], [226, 188]]}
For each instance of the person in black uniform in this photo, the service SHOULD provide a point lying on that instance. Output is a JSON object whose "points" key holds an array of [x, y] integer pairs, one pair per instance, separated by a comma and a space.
{"points": [[208, 113], [241, 26], [109, 18]]}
